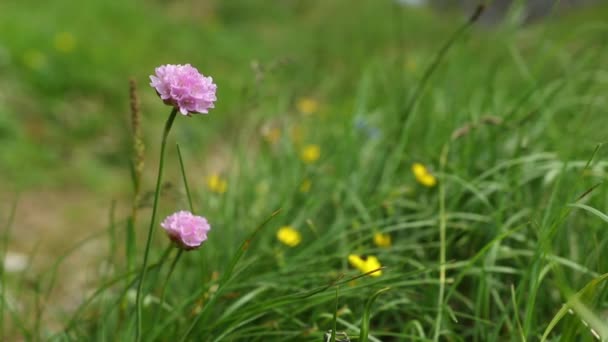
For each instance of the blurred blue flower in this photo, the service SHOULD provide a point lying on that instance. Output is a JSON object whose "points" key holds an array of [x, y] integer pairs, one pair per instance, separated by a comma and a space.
{"points": [[363, 126]]}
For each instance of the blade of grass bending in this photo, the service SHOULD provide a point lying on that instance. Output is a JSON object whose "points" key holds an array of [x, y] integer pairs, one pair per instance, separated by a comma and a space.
{"points": [[575, 299], [406, 118], [366, 314], [242, 249], [592, 210], [181, 165], [7, 230]]}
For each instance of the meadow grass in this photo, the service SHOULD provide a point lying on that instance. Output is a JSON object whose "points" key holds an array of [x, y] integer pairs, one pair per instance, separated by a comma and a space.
{"points": [[507, 244]]}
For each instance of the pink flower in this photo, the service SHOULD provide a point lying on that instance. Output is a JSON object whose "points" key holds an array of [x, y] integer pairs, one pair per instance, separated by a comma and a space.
{"points": [[182, 86], [186, 230]]}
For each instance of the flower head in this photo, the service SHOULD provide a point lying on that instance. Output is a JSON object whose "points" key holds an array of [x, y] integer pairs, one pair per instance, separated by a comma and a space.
{"points": [[183, 87], [289, 236], [382, 240], [188, 231], [423, 176], [310, 153], [366, 264], [217, 184]]}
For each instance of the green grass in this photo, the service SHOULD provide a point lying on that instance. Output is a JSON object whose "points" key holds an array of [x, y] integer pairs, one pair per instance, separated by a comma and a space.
{"points": [[511, 121]]}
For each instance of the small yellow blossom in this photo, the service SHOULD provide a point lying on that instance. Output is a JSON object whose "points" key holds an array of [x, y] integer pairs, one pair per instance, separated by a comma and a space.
{"points": [[310, 153], [64, 42], [307, 105], [217, 184], [423, 176], [34, 59], [305, 186], [272, 135], [366, 264], [289, 236], [382, 240]]}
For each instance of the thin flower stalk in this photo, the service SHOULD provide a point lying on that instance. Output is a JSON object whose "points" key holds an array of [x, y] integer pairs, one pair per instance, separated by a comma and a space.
{"points": [[161, 163]]}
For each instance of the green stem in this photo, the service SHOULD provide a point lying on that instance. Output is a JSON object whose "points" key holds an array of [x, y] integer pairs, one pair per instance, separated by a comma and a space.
{"points": [[162, 292], [181, 165], [139, 296], [442, 246]]}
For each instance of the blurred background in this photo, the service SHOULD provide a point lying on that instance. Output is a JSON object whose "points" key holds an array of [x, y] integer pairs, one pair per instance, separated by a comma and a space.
{"points": [[65, 134]]}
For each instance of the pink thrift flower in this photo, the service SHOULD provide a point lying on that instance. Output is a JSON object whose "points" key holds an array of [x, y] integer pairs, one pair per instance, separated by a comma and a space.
{"points": [[186, 230], [182, 86]]}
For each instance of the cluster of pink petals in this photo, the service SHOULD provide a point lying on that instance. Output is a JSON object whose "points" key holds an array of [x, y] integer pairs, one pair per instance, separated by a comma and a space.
{"points": [[188, 231], [182, 86]]}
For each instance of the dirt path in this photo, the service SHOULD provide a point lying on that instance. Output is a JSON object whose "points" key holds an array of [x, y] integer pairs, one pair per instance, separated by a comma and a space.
{"points": [[47, 225]]}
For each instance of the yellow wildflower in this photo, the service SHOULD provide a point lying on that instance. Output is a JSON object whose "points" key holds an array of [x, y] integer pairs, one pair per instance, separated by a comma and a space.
{"points": [[382, 240], [271, 134], [34, 59], [423, 176], [217, 184], [307, 105], [310, 153], [305, 186], [64, 42], [365, 264], [289, 236]]}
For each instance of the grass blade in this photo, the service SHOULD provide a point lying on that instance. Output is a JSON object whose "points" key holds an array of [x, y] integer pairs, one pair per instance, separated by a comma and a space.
{"points": [[363, 335], [334, 324], [574, 301]]}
